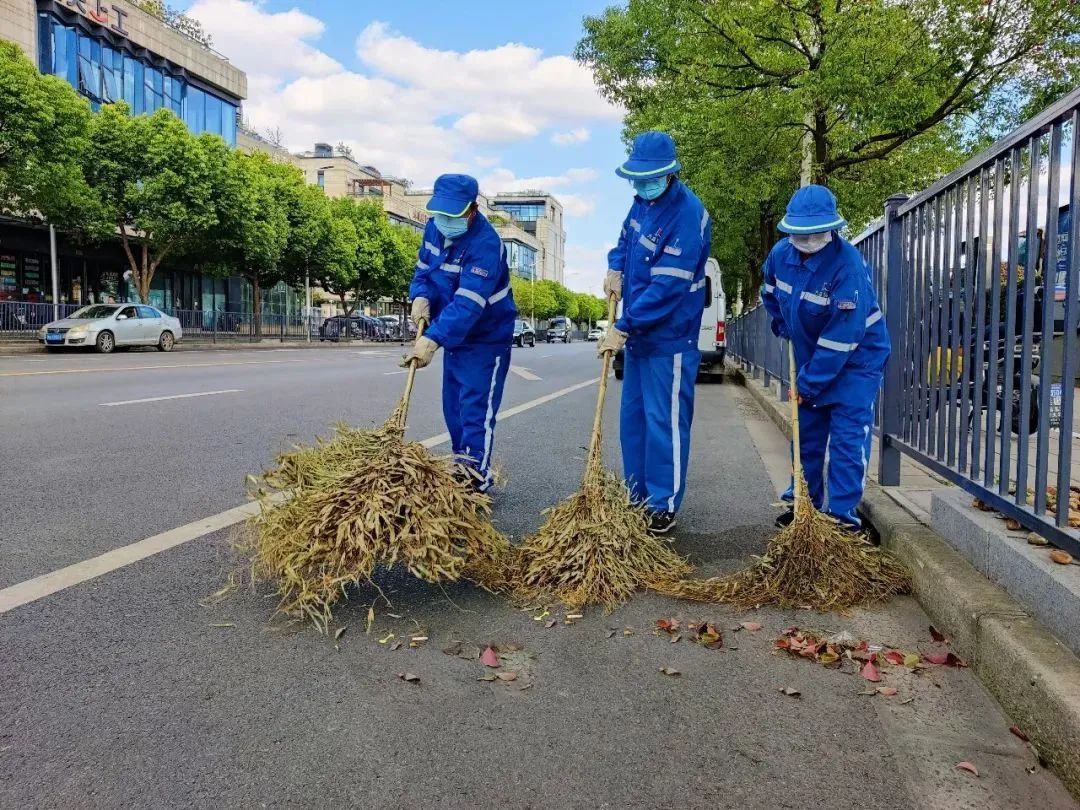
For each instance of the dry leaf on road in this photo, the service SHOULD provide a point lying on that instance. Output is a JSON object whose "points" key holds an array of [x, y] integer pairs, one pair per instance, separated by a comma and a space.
{"points": [[870, 672], [967, 766], [506, 676], [489, 658], [408, 677], [1061, 557], [887, 691], [670, 671], [936, 634], [753, 627], [1015, 730], [787, 690]]}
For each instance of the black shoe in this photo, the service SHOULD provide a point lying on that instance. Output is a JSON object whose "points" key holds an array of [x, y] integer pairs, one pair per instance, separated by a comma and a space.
{"points": [[661, 522], [785, 519]]}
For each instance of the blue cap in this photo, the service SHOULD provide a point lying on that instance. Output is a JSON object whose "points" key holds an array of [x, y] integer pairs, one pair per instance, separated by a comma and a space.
{"points": [[453, 195], [812, 209], [652, 156]]}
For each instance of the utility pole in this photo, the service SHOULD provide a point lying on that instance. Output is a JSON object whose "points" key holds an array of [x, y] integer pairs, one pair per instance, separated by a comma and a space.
{"points": [[55, 273]]}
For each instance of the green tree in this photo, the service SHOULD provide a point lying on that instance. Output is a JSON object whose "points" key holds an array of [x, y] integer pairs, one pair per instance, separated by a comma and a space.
{"points": [[535, 300], [563, 298], [154, 182], [252, 230], [878, 90], [44, 137]]}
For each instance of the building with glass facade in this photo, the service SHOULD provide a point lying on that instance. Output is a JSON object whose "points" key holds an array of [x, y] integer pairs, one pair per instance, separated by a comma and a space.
{"points": [[114, 51], [540, 215]]}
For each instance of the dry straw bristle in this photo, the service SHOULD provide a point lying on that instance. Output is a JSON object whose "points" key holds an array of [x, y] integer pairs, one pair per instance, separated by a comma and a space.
{"points": [[364, 499], [813, 562], [595, 547]]}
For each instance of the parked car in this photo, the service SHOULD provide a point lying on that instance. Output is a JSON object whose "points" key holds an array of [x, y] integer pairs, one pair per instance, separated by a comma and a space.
{"points": [[524, 335], [106, 327], [561, 330], [712, 339], [355, 327], [595, 334]]}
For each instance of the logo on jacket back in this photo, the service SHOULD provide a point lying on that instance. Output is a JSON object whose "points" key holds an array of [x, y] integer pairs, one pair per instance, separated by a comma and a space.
{"points": [[480, 271]]}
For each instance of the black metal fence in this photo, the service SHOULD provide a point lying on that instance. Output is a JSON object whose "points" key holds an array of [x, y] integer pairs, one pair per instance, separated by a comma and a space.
{"points": [[22, 321], [979, 283]]}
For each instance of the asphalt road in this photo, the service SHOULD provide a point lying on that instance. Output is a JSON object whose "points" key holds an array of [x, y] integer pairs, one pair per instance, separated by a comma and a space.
{"points": [[123, 691]]}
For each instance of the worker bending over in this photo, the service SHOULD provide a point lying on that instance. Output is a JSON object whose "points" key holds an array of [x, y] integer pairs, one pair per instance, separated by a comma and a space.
{"points": [[658, 268], [818, 291], [461, 287]]}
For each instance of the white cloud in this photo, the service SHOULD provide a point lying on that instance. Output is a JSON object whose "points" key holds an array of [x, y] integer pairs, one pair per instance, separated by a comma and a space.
{"points": [[586, 267], [506, 180], [574, 136], [577, 205], [264, 43], [410, 110]]}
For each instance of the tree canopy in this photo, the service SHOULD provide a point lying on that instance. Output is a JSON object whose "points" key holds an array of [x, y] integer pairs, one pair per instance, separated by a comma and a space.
{"points": [[888, 95]]}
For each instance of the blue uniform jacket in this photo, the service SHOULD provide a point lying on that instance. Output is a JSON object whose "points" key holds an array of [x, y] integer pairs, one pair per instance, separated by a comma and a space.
{"points": [[661, 253], [827, 306], [467, 282]]}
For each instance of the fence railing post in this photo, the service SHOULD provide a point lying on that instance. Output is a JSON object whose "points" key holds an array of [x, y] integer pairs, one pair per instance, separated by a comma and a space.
{"points": [[892, 305]]}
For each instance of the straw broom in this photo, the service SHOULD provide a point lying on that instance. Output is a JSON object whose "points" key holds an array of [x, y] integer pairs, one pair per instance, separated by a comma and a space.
{"points": [[332, 512], [813, 562], [595, 546]]}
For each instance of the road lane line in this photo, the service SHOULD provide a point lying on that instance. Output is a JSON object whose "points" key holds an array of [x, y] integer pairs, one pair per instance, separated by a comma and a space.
{"points": [[524, 373], [105, 369], [63, 578], [174, 396]]}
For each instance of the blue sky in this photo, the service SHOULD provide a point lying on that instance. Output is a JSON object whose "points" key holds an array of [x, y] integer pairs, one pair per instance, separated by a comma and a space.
{"points": [[420, 87]]}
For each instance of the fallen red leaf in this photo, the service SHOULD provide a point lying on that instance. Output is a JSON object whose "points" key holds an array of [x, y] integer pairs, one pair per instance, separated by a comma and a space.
{"points": [[967, 766], [507, 676], [935, 634], [895, 657], [936, 658], [954, 661], [668, 625], [870, 672], [489, 658], [782, 644], [753, 627], [887, 691], [1017, 732]]}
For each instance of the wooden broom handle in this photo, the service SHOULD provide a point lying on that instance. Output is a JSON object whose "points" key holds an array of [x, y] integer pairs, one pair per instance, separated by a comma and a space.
{"points": [[412, 375], [793, 395], [598, 419]]}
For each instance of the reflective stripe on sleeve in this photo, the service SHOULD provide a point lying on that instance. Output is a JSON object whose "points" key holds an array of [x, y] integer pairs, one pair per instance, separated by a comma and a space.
{"points": [[646, 242], [769, 288], [672, 271], [434, 250], [422, 265], [500, 295], [836, 346], [783, 286], [697, 285], [875, 316], [815, 299], [476, 298], [451, 268], [635, 225], [704, 223]]}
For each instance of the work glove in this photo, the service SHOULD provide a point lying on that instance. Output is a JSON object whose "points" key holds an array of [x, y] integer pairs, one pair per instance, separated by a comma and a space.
{"points": [[422, 351], [613, 285], [421, 311], [779, 328], [614, 340]]}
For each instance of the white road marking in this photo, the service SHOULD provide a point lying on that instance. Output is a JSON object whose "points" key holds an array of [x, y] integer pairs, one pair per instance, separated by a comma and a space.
{"points": [[523, 372], [107, 369], [546, 356], [39, 587], [174, 396]]}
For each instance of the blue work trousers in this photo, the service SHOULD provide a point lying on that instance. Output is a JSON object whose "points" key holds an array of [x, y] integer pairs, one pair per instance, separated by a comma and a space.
{"points": [[657, 410], [473, 380], [844, 432]]}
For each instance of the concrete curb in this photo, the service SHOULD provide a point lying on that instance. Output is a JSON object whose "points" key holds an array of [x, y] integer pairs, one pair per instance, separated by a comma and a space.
{"points": [[1031, 674]]}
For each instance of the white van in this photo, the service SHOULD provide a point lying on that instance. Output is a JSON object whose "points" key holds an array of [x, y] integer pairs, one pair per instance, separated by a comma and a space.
{"points": [[712, 339]]}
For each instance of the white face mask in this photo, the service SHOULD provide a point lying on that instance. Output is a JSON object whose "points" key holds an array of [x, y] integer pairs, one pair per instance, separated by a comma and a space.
{"points": [[810, 242]]}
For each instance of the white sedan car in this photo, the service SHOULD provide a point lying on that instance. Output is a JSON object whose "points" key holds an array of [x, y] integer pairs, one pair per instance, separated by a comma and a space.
{"points": [[106, 327]]}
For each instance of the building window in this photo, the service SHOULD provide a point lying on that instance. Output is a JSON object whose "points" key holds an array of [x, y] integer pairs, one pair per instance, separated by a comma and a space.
{"points": [[522, 212], [105, 74], [322, 180], [521, 259]]}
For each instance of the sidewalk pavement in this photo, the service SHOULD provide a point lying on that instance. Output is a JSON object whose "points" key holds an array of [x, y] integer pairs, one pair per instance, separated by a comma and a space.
{"points": [[1033, 676]]}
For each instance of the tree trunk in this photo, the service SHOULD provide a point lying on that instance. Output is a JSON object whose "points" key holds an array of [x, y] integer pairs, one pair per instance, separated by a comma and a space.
{"points": [[144, 275], [256, 304]]}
